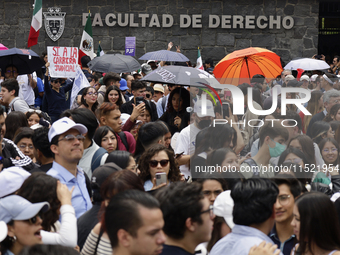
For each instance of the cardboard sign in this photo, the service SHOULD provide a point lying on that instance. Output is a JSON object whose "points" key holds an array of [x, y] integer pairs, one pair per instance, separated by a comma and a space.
{"points": [[63, 61]]}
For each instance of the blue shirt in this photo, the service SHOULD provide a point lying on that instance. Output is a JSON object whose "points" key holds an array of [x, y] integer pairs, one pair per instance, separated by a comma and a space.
{"points": [[239, 241], [80, 197], [285, 247], [160, 109]]}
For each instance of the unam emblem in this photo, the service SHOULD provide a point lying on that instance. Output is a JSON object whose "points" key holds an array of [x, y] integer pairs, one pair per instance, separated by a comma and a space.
{"points": [[54, 22]]}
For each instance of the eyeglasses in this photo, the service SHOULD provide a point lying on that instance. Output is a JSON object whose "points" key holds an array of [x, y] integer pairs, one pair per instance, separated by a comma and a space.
{"points": [[56, 81], [283, 199], [163, 162], [330, 150], [210, 211], [296, 161], [10, 71], [208, 193], [93, 93], [70, 138], [24, 146], [34, 219], [134, 168], [32, 110]]}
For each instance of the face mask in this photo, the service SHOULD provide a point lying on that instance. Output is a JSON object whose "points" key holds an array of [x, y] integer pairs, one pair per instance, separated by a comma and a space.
{"points": [[277, 150], [204, 124]]}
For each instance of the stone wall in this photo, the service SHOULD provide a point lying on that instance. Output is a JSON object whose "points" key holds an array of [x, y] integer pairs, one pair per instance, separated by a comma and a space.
{"points": [[300, 41]]}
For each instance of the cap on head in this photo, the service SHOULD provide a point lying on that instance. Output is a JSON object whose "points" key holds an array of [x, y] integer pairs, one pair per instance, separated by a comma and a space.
{"points": [[18, 208], [63, 125], [223, 207], [304, 78], [146, 68], [199, 109], [11, 180], [123, 84]]}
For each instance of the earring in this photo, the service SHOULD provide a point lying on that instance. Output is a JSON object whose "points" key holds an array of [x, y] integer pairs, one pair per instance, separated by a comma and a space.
{"points": [[13, 239]]}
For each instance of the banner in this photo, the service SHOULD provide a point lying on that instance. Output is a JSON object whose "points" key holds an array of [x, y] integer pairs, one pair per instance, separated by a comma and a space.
{"points": [[130, 46], [63, 61], [79, 83]]}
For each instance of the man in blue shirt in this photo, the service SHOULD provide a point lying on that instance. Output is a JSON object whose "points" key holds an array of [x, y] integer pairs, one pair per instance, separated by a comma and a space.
{"points": [[66, 139], [253, 215], [282, 233]]}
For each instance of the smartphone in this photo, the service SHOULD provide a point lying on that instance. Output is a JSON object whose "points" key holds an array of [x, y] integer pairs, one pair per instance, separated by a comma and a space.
{"points": [[139, 100], [178, 155], [225, 109], [160, 178]]}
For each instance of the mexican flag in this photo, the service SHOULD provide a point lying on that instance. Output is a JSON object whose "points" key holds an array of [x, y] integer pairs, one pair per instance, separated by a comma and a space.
{"points": [[36, 24], [86, 43], [100, 51], [199, 64]]}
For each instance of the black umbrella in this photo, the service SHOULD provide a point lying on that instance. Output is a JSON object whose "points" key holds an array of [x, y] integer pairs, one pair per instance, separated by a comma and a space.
{"points": [[26, 61], [116, 63], [182, 75], [164, 55]]}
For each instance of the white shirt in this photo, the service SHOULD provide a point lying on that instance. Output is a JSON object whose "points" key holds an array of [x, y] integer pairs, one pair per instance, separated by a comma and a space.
{"points": [[85, 161], [186, 142], [25, 90]]}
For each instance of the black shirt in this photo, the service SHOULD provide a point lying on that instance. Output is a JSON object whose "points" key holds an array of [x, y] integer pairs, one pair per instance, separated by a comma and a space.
{"points": [[174, 250]]}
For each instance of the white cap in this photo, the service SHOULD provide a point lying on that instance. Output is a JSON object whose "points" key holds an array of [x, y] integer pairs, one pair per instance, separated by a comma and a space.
{"points": [[289, 77], [209, 109], [223, 207], [63, 125], [11, 179], [3, 230], [158, 87], [304, 78], [313, 77]]}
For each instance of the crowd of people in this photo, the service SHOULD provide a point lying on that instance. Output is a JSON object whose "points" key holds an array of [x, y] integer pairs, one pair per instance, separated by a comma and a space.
{"points": [[135, 167]]}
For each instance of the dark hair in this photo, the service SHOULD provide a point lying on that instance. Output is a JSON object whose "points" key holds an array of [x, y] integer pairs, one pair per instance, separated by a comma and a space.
{"points": [[258, 78], [216, 232], [272, 130], [307, 147], [295, 151], [174, 173], [253, 201], [180, 201], [14, 121], [292, 183], [209, 61], [87, 118], [121, 158], [108, 90], [332, 112], [85, 60], [318, 130], [244, 88], [40, 187], [335, 143], [257, 96], [11, 84], [150, 89], [30, 113], [137, 84], [83, 101], [184, 98], [292, 115], [100, 133], [149, 133], [41, 142], [334, 125], [23, 132], [319, 224], [125, 207], [110, 76], [43, 249]]}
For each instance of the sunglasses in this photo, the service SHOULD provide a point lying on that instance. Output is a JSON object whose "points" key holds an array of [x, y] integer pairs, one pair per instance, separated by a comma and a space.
{"points": [[36, 111], [34, 219], [163, 162], [71, 138]]}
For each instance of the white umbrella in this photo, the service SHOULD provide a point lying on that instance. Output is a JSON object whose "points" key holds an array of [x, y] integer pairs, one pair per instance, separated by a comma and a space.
{"points": [[307, 64]]}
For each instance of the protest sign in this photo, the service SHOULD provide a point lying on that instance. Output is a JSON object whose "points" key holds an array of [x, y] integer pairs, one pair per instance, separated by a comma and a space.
{"points": [[63, 61]]}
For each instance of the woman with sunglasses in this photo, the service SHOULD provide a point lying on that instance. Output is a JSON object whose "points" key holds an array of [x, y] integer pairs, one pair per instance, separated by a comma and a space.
{"points": [[316, 225], [113, 95], [158, 159], [55, 102], [23, 221], [89, 99], [33, 117]]}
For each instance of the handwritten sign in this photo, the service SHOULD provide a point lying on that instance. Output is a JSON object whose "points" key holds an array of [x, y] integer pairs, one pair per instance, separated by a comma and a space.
{"points": [[63, 61]]}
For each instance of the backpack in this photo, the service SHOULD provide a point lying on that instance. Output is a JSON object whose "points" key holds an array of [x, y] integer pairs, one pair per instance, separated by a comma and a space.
{"points": [[253, 166], [97, 157], [163, 104], [122, 136]]}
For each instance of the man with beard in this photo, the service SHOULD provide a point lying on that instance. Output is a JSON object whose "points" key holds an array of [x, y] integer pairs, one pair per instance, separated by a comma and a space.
{"points": [[187, 138]]}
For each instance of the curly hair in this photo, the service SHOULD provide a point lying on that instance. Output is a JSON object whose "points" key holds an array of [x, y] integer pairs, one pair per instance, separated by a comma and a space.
{"points": [[40, 187], [83, 101], [174, 173], [108, 90]]}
